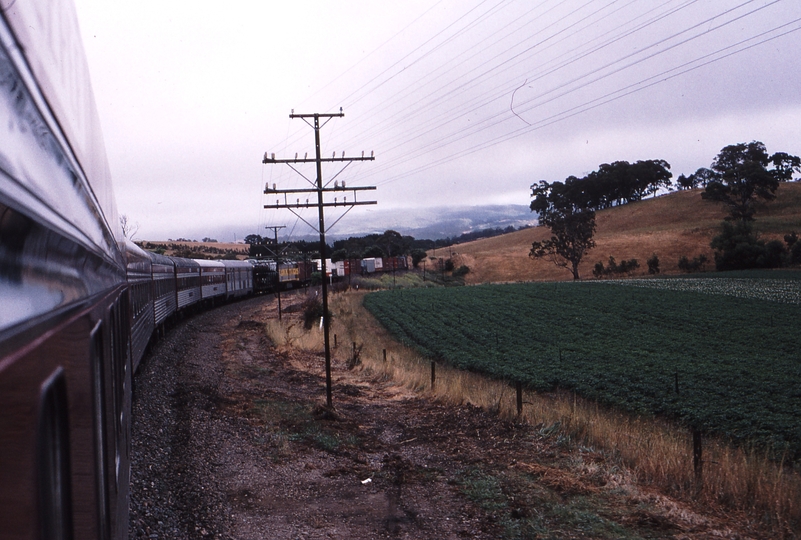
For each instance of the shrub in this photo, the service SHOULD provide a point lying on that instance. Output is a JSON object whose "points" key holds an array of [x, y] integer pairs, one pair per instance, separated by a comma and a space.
{"points": [[417, 256], [461, 271], [312, 311], [695, 265], [653, 264], [625, 267], [738, 248], [794, 253]]}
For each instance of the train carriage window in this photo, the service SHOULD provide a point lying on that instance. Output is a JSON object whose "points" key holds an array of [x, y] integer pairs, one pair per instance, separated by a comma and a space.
{"points": [[118, 370], [99, 400], [53, 461]]}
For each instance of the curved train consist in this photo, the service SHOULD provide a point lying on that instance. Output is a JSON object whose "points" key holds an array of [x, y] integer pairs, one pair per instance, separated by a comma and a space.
{"points": [[78, 303]]}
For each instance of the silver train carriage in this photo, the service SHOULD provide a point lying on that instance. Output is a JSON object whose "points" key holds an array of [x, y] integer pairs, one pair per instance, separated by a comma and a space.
{"points": [[65, 347]]}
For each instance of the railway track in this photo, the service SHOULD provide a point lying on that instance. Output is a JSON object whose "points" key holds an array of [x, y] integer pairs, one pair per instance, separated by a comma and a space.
{"points": [[229, 443]]}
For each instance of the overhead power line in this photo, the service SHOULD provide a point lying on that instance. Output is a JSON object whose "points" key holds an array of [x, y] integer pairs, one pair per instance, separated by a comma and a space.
{"points": [[449, 96]]}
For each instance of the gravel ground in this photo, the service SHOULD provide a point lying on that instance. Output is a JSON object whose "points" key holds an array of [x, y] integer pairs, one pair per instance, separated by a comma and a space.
{"points": [[202, 468], [230, 441], [177, 437]]}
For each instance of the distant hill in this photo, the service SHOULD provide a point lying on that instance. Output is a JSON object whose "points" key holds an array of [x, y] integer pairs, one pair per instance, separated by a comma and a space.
{"points": [[424, 223], [431, 223], [451, 222], [670, 226]]}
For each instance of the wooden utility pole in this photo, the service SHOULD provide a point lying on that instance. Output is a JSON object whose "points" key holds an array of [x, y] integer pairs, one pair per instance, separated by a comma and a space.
{"points": [[277, 264], [313, 120]]}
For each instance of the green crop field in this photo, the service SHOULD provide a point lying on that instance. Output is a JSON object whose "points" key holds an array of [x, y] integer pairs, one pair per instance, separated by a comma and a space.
{"points": [[733, 342]]}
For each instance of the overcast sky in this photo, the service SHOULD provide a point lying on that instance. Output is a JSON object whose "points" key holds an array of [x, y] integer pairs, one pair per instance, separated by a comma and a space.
{"points": [[463, 102]]}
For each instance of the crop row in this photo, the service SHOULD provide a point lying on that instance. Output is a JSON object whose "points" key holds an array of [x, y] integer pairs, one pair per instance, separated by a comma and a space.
{"points": [[737, 360], [774, 290]]}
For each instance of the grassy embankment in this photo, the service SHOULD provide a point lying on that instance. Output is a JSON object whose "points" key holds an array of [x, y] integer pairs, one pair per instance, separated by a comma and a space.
{"points": [[657, 452]]}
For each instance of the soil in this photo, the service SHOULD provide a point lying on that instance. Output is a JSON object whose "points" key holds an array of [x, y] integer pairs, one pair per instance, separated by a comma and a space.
{"points": [[232, 439]]}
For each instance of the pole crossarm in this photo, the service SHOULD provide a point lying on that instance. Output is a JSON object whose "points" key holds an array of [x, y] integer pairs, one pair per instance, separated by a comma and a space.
{"points": [[298, 204], [320, 189], [272, 159], [268, 190], [315, 205], [340, 114]]}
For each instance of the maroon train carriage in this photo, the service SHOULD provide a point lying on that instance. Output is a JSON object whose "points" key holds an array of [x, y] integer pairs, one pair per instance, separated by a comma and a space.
{"points": [[65, 362], [79, 302]]}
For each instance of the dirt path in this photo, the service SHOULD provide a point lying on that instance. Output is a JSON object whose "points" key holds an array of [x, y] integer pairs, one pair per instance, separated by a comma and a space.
{"points": [[231, 441]]}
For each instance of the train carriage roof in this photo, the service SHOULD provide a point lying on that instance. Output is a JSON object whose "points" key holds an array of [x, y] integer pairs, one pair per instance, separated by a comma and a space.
{"points": [[52, 46], [182, 264], [236, 264], [54, 157], [208, 264]]}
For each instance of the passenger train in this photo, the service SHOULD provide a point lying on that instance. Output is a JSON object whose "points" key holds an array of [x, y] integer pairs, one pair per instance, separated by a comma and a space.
{"points": [[78, 302]]}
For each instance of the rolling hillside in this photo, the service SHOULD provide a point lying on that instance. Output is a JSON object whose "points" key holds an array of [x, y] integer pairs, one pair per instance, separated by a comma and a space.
{"points": [[673, 225]]}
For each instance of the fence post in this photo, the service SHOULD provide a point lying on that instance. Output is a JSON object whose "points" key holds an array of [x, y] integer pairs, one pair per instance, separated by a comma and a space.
{"points": [[698, 463], [519, 386], [385, 356], [433, 374]]}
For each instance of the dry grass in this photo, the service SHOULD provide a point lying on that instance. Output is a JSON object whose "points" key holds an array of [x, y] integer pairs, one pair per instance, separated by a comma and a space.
{"points": [[670, 226], [656, 452], [289, 334]]}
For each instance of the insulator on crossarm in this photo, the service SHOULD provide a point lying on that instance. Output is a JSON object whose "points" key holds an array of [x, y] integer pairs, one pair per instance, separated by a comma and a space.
{"points": [[372, 152], [343, 184], [305, 155], [343, 154], [336, 184], [273, 157], [362, 153], [333, 154], [265, 156], [296, 155], [273, 187]]}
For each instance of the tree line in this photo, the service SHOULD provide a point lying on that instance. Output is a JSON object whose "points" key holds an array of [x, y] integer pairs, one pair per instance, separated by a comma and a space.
{"points": [[739, 176], [612, 184], [390, 243]]}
